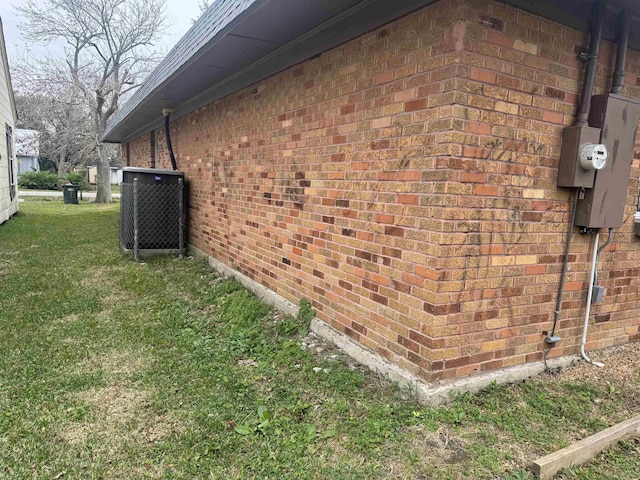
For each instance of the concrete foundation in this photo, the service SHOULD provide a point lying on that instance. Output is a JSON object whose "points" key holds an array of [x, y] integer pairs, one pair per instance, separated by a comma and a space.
{"points": [[428, 394]]}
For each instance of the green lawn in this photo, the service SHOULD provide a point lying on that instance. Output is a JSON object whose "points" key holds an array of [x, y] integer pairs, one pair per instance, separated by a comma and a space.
{"points": [[113, 369]]}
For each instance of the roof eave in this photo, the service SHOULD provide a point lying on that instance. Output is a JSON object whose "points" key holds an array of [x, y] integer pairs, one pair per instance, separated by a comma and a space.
{"points": [[364, 16]]}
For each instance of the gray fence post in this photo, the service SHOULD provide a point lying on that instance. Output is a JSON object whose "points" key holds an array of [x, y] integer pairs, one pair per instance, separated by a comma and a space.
{"points": [[136, 246], [181, 216]]}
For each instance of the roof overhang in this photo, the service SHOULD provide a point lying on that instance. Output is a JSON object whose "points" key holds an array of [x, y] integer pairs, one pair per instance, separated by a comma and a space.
{"points": [[272, 35], [266, 38], [575, 14]]}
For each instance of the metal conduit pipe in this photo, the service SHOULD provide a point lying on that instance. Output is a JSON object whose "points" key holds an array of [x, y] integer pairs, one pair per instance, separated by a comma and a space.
{"points": [[602, 247], [565, 265], [594, 260], [622, 43], [582, 115], [597, 21]]}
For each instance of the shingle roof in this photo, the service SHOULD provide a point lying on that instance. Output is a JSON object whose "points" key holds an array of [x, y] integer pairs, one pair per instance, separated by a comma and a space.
{"points": [[239, 42], [211, 24]]}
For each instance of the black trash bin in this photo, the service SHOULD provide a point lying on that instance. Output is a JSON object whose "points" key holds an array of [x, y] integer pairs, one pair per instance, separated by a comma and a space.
{"points": [[70, 193]]}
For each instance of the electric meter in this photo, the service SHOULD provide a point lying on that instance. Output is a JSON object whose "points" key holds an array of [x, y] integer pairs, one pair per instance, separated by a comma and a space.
{"points": [[593, 156]]}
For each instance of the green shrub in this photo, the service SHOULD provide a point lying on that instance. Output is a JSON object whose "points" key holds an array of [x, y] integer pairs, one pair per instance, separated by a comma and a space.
{"points": [[76, 178], [38, 180]]}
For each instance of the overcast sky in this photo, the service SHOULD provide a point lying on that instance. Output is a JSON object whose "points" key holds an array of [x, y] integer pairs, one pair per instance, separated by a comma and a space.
{"points": [[179, 16]]}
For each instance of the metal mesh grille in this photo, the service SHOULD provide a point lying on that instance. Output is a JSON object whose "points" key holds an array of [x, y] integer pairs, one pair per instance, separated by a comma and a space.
{"points": [[151, 217]]}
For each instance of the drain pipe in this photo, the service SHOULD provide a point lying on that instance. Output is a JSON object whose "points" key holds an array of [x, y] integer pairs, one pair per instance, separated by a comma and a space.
{"points": [[594, 262], [166, 112]]}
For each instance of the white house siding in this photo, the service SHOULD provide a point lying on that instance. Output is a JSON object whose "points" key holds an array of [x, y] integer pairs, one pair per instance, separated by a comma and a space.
{"points": [[27, 164], [115, 177], [27, 150], [8, 205]]}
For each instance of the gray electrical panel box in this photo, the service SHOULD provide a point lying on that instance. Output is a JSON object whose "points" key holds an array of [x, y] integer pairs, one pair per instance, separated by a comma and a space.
{"points": [[570, 173], [603, 205]]}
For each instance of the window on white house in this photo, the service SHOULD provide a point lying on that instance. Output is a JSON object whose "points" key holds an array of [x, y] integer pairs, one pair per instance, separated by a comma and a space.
{"points": [[10, 159]]}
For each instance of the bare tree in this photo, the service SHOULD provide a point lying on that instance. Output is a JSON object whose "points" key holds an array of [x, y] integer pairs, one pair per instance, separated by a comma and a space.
{"points": [[107, 53], [65, 130], [203, 6]]}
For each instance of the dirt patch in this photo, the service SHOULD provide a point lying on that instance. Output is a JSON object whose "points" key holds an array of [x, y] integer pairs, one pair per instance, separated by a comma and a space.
{"points": [[423, 451], [103, 279], [438, 447], [114, 411], [621, 367], [66, 320], [5, 268], [336, 453], [116, 365], [119, 415]]}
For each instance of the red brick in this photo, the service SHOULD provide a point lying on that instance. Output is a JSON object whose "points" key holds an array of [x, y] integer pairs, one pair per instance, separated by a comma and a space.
{"points": [[476, 152], [498, 38], [408, 199], [414, 105], [572, 286], [492, 249], [412, 279], [483, 75], [347, 109], [470, 177], [477, 127], [409, 176], [383, 78], [485, 190], [394, 231], [535, 269], [552, 117], [384, 218], [427, 272]]}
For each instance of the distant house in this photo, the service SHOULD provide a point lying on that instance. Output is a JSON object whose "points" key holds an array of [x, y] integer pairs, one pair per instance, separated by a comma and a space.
{"points": [[115, 175], [27, 150], [8, 116], [415, 169]]}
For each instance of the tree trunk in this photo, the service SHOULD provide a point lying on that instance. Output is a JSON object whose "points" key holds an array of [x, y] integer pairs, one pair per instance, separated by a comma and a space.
{"points": [[61, 162], [103, 176]]}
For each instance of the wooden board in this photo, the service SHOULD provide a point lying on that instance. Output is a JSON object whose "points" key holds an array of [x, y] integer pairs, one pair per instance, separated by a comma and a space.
{"points": [[547, 466]]}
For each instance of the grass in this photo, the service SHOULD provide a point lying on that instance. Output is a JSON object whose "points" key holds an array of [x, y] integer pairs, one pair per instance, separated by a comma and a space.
{"points": [[116, 369]]}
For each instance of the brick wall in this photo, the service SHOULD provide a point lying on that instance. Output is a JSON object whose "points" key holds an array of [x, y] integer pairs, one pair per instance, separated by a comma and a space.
{"points": [[504, 240], [141, 152], [405, 183]]}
